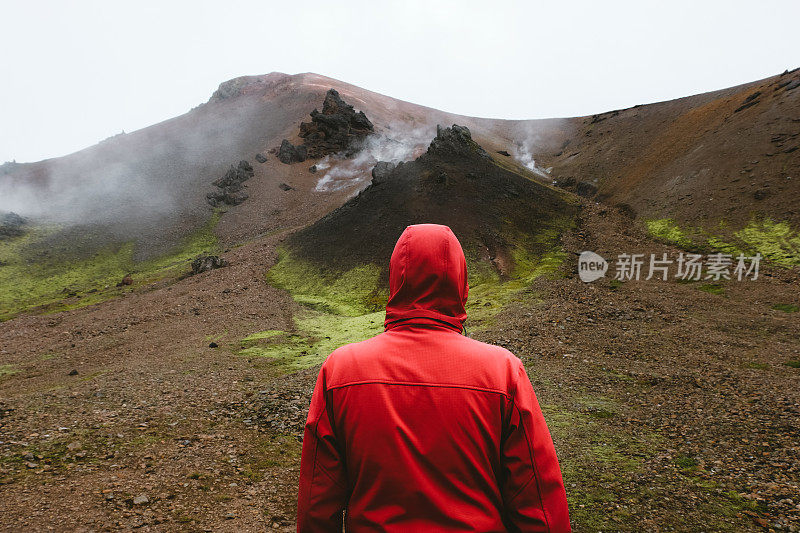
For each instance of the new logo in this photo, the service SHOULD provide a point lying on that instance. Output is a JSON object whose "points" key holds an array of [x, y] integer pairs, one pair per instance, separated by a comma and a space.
{"points": [[591, 266]]}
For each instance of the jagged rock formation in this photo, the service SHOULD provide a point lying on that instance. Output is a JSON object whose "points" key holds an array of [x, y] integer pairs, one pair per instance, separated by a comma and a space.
{"points": [[231, 186], [455, 141], [289, 153], [337, 129], [11, 225]]}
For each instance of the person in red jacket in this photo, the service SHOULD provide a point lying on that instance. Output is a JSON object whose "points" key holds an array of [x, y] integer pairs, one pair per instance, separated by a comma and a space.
{"points": [[421, 428]]}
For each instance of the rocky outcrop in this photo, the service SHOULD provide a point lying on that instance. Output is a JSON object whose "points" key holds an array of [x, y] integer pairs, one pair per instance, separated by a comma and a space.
{"points": [[338, 128], [12, 225], [231, 186], [289, 153], [455, 141], [204, 263], [381, 171]]}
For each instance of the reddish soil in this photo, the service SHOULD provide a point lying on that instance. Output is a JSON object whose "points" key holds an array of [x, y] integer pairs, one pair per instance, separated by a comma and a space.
{"points": [[211, 437]]}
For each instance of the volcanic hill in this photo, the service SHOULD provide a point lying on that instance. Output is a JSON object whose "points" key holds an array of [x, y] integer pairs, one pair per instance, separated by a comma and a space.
{"points": [[167, 295]]}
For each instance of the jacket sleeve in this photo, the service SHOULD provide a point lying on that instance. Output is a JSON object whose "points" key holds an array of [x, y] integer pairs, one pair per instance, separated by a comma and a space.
{"points": [[533, 491], [323, 481]]}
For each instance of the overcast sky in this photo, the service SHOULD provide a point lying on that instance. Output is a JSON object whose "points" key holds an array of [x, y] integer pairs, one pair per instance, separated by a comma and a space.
{"points": [[74, 73]]}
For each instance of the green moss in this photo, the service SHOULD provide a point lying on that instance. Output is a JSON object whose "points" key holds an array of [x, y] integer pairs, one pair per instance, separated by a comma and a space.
{"points": [[686, 462], [775, 241], [316, 336], [7, 370], [756, 365], [269, 452], [667, 230], [786, 308], [351, 293], [713, 288], [719, 245], [793, 364], [65, 283], [345, 307], [267, 334]]}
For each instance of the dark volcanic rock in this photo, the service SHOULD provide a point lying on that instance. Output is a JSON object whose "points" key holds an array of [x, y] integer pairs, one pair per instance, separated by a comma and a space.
{"points": [[231, 186], [586, 189], [220, 198], [204, 263], [11, 225], [338, 128], [381, 171], [289, 153], [440, 186], [286, 187], [455, 141], [504, 152], [261, 158]]}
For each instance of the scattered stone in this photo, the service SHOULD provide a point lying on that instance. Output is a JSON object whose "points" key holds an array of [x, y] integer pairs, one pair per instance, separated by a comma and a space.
{"points": [[286, 187], [127, 280], [141, 499], [204, 263], [73, 372], [289, 153], [504, 152], [313, 169], [261, 158], [213, 345], [74, 446], [231, 186], [381, 171], [230, 516], [32, 465], [760, 194]]}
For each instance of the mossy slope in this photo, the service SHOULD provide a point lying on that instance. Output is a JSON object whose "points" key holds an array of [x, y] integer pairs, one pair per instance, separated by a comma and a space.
{"points": [[55, 283]]}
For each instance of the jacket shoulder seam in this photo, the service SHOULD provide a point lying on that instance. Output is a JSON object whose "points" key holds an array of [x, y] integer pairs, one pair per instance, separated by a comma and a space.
{"points": [[418, 384]]}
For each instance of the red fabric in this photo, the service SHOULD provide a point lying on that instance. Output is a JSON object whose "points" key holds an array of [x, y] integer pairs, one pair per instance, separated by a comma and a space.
{"points": [[423, 429]]}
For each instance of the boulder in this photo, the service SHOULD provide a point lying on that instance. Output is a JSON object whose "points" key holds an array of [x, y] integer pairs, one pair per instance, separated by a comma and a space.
{"points": [[381, 171], [261, 158], [204, 263], [289, 153]]}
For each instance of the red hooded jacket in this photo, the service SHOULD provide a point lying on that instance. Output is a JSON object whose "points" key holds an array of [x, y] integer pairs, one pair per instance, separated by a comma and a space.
{"points": [[421, 428]]}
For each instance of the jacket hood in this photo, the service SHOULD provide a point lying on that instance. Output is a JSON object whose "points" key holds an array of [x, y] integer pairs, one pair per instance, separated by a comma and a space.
{"points": [[427, 278]]}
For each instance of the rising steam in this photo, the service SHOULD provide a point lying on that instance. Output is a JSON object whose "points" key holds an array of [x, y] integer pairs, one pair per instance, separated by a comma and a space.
{"points": [[398, 142]]}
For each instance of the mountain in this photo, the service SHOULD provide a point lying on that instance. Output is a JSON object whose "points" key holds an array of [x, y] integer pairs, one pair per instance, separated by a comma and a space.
{"points": [[167, 295]]}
